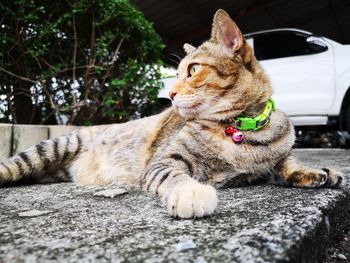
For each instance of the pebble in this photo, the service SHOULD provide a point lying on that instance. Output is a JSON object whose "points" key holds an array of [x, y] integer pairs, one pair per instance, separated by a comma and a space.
{"points": [[184, 245], [341, 256], [200, 260], [111, 193], [32, 213]]}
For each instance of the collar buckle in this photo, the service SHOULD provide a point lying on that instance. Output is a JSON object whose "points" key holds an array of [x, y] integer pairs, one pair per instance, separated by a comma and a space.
{"points": [[246, 123]]}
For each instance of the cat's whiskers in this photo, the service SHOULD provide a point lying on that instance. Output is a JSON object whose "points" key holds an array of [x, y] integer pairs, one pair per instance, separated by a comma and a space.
{"points": [[221, 105], [173, 60], [190, 106], [167, 121], [177, 62]]}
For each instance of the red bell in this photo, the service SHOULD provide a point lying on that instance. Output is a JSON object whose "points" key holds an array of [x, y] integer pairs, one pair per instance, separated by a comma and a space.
{"points": [[230, 130]]}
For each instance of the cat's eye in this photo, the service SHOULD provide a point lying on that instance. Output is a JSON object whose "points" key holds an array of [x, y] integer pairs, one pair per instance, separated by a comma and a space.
{"points": [[192, 69]]}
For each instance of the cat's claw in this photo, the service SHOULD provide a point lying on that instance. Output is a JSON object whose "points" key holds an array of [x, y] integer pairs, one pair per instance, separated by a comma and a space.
{"points": [[192, 200], [334, 180]]}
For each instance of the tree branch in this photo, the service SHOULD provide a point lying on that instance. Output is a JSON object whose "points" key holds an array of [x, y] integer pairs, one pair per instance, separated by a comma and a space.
{"points": [[74, 49], [91, 60], [18, 76], [114, 59], [115, 56]]}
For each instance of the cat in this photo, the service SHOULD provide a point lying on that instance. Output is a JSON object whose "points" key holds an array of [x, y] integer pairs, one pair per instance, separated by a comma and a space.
{"points": [[198, 144]]}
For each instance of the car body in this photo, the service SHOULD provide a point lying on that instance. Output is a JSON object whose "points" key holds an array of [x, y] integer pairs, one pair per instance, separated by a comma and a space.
{"points": [[310, 76]]}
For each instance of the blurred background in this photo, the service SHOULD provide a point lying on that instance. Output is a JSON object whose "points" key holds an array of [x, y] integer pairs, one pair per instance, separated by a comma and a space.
{"points": [[86, 62], [183, 21]]}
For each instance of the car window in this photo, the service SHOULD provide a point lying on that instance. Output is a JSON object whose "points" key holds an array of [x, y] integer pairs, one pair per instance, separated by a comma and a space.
{"points": [[281, 45]]}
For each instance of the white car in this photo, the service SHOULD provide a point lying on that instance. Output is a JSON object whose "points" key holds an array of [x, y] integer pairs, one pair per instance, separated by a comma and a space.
{"points": [[310, 77]]}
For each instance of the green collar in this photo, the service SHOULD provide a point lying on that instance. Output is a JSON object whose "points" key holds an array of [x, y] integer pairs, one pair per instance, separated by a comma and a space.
{"points": [[246, 123]]}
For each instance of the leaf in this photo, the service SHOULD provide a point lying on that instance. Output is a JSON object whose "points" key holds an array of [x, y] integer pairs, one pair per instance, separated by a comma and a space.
{"points": [[118, 82], [111, 83]]}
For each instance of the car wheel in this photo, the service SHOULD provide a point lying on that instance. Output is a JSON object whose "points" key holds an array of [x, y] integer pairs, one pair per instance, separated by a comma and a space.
{"points": [[347, 119], [329, 140]]}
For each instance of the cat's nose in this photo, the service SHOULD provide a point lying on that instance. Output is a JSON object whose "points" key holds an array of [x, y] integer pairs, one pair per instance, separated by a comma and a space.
{"points": [[172, 95]]}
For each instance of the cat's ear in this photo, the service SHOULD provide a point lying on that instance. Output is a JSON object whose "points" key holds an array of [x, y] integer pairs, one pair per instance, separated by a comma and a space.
{"points": [[226, 32], [189, 48]]}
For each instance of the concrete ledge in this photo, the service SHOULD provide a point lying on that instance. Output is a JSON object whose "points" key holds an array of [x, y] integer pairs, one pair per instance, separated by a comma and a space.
{"points": [[25, 136], [16, 138], [5, 140], [264, 223], [58, 130]]}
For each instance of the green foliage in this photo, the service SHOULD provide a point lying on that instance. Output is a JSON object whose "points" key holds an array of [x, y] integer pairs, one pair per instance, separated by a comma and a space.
{"points": [[85, 61]]}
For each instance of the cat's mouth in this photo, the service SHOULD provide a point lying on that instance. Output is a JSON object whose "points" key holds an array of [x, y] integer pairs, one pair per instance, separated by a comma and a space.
{"points": [[189, 109], [188, 104]]}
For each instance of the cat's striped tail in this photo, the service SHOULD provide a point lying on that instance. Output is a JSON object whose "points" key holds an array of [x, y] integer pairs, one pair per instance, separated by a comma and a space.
{"points": [[46, 161]]}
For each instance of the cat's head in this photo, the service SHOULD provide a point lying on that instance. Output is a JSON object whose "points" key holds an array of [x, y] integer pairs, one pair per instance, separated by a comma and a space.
{"points": [[221, 78]]}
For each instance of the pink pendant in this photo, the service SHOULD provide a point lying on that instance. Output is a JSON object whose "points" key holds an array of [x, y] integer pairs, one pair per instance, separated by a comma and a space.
{"points": [[237, 136]]}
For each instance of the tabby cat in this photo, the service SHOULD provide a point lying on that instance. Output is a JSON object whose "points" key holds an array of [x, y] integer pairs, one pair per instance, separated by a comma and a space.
{"points": [[196, 144]]}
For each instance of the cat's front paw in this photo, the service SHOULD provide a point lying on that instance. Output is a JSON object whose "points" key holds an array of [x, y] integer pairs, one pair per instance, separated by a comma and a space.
{"points": [[192, 200]]}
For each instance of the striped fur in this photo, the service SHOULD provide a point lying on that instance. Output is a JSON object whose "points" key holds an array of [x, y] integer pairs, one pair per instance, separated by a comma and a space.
{"points": [[182, 153]]}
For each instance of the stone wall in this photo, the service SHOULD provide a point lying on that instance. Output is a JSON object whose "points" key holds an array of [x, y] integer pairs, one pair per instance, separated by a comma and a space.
{"points": [[16, 138]]}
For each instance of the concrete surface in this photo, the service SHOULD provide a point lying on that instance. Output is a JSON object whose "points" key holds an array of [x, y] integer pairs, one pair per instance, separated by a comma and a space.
{"points": [[339, 251], [5, 140], [263, 223]]}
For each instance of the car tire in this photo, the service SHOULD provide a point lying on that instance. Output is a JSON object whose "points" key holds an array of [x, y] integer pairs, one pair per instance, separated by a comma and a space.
{"points": [[329, 140], [347, 119]]}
